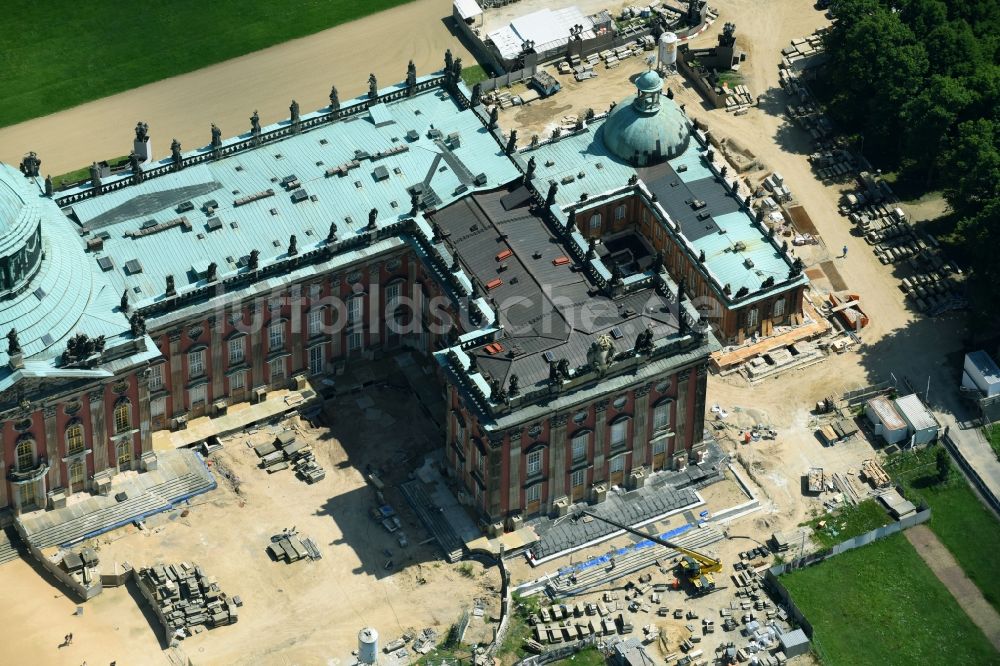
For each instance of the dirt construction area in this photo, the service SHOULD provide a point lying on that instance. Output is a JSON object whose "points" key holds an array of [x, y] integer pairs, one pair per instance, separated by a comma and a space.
{"points": [[305, 612]]}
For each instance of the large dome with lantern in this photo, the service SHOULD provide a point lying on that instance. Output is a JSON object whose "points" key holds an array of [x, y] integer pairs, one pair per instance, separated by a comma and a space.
{"points": [[648, 127]]}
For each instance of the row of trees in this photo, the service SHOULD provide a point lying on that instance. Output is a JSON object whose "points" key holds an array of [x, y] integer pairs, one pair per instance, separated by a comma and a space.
{"points": [[919, 82]]}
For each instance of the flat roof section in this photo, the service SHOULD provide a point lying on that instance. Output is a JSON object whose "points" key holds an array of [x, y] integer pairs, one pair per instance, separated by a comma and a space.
{"points": [[546, 306]]}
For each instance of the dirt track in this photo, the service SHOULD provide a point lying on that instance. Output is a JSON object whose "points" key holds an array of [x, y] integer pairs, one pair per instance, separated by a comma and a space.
{"points": [[184, 107], [944, 566]]}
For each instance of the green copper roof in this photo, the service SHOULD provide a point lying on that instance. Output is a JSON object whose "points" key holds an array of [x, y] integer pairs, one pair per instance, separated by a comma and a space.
{"points": [[646, 128], [649, 82], [425, 141]]}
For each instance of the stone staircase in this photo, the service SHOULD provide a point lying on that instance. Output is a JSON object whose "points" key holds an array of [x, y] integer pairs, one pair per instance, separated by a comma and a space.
{"points": [[433, 519], [8, 546], [97, 515]]}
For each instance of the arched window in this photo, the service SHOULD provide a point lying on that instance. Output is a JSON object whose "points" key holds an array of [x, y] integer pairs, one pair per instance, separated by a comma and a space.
{"points": [[620, 212], [595, 221], [25, 454], [74, 439], [661, 414], [124, 451], [123, 416]]}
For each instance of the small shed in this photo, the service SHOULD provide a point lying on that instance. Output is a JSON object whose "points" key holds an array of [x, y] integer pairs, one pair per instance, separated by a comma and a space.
{"points": [[794, 643], [981, 372], [898, 506], [887, 421], [545, 83], [921, 425]]}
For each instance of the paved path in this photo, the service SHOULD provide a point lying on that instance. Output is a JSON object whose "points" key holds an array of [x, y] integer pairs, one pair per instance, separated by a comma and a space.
{"points": [[227, 93], [973, 446], [944, 566]]}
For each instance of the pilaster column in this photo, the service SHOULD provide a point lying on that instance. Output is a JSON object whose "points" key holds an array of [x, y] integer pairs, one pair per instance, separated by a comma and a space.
{"points": [[376, 330], [98, 430], [296, 326], [683, 439], [256, 350], [217, 325], [557, 457], [600, 425], [494, 467], [176, 375], [52, 446], [698, 420], [145, 421], [514, 478], [640, 436]]}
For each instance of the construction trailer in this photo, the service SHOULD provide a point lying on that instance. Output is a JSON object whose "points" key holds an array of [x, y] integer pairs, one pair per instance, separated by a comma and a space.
{"points": [[921, 425], [981, 373], [888, 424]]}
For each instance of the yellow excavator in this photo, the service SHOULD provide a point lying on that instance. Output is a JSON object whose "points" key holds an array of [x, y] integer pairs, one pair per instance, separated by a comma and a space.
{"points": [[697, 567]]}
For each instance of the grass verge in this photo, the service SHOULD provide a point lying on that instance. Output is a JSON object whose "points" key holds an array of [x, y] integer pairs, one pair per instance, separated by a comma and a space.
{"points": [[848, 523], [992, 433], [59, 54], [473, 75], [966, 527], [881, 604]]}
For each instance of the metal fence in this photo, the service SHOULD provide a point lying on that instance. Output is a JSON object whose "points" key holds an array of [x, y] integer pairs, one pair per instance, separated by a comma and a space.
{"points": [[779, 592], [508, 79], [970, 471]]}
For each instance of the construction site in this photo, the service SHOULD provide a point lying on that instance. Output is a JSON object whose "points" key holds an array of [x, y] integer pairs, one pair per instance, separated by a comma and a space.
{"points": [[328, 525]]}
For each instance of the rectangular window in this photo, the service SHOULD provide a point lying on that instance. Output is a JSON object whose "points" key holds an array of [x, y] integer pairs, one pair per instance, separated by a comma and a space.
{"points": [[236, 351], [576, 479], [276, 335], [661, 416], [315, 322], [274, 303], [277, 368], [595, 221], [533, 493], [480, 460], [534, 462], [197, 395], [753, 317], [618, 431], [392, 296], [620, 213], [157, 407], [196, 363], [156, 377], [779, 308], [316, 360], [237, 381], [315, 290], [618, 463], [580, 446], [354, 309], [660, 446], [355, 341]]}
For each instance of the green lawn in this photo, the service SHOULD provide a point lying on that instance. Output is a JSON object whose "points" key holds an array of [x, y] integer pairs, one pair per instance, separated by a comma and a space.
{"points": [[848, 523], [992, 433], [473, 75], [588, 656], [880, 604], [81, 174], [959, 519], [54, 55]]}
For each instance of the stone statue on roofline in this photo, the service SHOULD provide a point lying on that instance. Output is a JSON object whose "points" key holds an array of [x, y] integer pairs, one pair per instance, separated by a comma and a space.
{"points": [[30, 164], [216, 136], [372, 86], [124, 301], [293, 110], [175, 151], [334, 99], [141, 131], [448, 60], [255, 122], [13, 345], [411, 75], [253, 261]]}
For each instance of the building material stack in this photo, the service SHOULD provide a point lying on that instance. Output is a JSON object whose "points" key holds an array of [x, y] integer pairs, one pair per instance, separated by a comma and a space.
{"points": [[284, 452], [186, 599]]}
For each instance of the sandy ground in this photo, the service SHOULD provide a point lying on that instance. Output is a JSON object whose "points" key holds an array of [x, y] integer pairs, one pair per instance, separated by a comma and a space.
{"points": [[300, 613], [226, 94], [949, 572]]}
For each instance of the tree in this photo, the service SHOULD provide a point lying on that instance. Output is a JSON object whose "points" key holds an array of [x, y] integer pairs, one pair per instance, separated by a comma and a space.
{"points": [[943, 464], [981, 239], [929, 119], [973, 162]]}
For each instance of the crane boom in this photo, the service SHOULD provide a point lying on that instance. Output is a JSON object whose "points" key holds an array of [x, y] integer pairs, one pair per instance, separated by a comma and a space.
{"points": [[708, 564]]}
